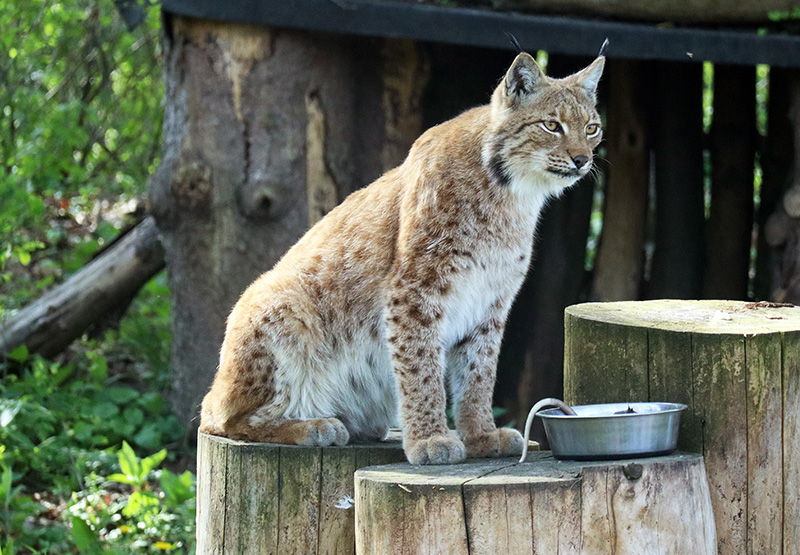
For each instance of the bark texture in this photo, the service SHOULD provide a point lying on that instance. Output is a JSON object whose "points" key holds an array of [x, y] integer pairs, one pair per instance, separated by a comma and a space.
{"points": [[620, 253], [103, 286], [656, 505], [265, 498], [736, 366], [264, 132]]}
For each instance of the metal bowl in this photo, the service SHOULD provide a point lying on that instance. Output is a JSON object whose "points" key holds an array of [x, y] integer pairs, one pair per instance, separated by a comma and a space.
{"points": [[613, 430]]}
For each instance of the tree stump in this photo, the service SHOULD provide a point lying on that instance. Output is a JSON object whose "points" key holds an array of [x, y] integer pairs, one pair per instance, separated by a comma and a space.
{"points": [[655, 505], [266, 498], [737, 366]]}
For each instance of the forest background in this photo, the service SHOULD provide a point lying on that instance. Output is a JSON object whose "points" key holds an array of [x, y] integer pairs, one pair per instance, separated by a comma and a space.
{"points": [[91, 460]]}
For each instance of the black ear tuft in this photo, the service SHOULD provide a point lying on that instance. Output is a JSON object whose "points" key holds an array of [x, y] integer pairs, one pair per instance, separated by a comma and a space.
{"points": [[513, 40]]}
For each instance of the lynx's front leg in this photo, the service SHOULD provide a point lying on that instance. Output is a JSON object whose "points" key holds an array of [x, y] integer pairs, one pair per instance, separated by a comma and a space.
{"points": [[413, 322], [472, 365]]}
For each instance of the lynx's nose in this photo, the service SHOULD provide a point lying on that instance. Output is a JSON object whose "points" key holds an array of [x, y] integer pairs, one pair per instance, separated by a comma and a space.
{"points": [[580, 160]]}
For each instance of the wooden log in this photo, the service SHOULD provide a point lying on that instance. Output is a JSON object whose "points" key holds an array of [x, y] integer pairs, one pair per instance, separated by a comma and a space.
{"points": [[267, 498], [54, 320], [733, 148], [655, 505], [735, 365]]}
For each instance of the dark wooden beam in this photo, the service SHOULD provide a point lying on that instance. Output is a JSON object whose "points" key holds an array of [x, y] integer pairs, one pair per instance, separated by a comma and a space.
{"points": [[464, 26]]}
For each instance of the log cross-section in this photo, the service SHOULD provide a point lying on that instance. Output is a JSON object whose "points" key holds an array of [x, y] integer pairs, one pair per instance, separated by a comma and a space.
{"points": [[655, 505]]}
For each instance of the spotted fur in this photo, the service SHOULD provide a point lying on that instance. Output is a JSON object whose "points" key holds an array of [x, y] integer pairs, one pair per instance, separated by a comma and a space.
{"points": [[400, 294]]}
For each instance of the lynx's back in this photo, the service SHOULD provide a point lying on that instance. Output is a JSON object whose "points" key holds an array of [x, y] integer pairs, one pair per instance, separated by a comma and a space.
{"points": [[407, 284]]}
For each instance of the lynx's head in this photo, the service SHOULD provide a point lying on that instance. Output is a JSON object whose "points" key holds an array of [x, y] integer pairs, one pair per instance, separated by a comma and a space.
{"points": [[543, 130]]}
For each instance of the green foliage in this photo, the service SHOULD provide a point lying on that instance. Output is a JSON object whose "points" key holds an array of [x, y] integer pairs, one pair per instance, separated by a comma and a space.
{"points": [[80, 130], [80, 133]]}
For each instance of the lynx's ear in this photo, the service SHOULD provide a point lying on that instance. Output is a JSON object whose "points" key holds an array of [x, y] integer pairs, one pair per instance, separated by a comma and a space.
{"points": [[524, 77], [589, 77]]}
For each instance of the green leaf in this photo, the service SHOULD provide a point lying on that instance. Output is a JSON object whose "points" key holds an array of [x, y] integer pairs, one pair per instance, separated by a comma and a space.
{"points": [[177, 489], [149, 436], [149, 463], [98, 367], [83, 536], [121, 478], [128, 462], [140, 503], [133, 416], [19, 353], [105, 410], [121, 394]]}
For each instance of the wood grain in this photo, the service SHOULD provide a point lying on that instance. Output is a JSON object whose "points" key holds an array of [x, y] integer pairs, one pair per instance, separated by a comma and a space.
{"points": [[267, 498], [737, 367], [540, 506]]}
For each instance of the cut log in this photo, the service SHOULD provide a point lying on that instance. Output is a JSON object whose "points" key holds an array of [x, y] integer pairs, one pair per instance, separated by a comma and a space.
{"points": [[655, 505], [267, 498], [736, 366], [55, 319]]}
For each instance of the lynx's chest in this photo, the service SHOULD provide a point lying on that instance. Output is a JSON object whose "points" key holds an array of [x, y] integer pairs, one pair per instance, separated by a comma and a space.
{"points": [[489, 281]]}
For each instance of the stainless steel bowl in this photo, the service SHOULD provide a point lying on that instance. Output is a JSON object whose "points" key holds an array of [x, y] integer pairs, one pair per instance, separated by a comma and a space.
{"points": [[613, 430]]}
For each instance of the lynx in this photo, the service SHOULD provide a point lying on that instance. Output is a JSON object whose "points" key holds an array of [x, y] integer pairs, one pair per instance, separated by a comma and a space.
{"points": [[397, 299]]}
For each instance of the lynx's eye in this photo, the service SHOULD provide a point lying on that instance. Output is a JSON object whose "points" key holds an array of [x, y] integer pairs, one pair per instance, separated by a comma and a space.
{"points": [[552, 126], [592, 129]]}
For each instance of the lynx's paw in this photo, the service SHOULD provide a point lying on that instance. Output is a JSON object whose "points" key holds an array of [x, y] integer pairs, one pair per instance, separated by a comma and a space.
{"points": [[323, 432], [502, 442], [440, 449]]}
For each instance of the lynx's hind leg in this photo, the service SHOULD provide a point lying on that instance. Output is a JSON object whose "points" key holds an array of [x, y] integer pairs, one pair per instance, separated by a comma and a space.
{"points": [[246, 402]]}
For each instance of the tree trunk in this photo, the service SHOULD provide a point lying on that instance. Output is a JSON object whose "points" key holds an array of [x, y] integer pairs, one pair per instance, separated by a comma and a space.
{"points": [[655, 505], [265, 498], [733, 149], [737, 366], [677, 270], [265, 131], [54, 320], [620, 253]]}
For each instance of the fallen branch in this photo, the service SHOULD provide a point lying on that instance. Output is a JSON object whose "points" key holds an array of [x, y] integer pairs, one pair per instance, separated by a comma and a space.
{"points": [[54, 320]]}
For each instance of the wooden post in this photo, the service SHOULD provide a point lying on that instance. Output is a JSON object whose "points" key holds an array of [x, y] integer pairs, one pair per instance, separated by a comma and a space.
{"points": [[620, 253], [733, 148], [267, 498], [677, 270], [655, 505], [736, 366]]}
